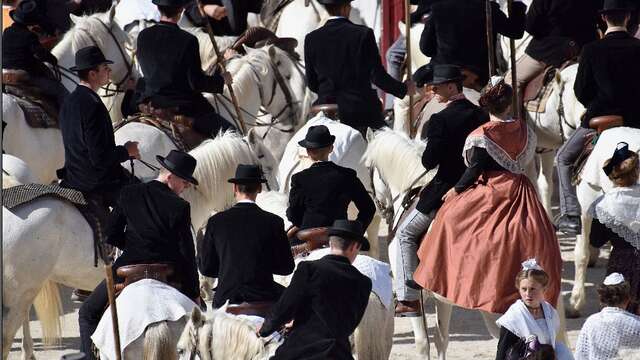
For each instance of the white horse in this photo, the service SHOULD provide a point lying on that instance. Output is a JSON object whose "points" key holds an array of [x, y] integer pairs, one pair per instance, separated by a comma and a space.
{"points": [[60, 240], [594, 183], [398, 160], [42, 149]]}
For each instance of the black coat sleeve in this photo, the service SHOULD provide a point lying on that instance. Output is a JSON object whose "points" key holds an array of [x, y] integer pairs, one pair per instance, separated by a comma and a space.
{"points": [[536, 23], [115, 228], [585, 86], [363, 201], [436, 142], [512, 26], [295, 212], [197, 79], [282, 259], [379, 75], [208, 260], [190, 281], [429, 40], [101, 153], [295, 296], [600, 234], [478, 159], [309, 70], [41, 53], [506, 341]]}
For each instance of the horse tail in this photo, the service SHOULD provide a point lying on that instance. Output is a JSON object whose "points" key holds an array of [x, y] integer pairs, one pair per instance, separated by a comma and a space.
{"points": [[48, 308], [374, 336], [158, 343]]}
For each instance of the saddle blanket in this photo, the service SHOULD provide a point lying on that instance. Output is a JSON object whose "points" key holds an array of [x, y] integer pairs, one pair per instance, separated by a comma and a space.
{"points": [[139, 305], [38, 112], [379, 272], [538, 104], [603, 150]]}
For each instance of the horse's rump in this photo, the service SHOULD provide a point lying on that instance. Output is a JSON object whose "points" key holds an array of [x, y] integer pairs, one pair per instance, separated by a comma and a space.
{"points": [[39, 111]]}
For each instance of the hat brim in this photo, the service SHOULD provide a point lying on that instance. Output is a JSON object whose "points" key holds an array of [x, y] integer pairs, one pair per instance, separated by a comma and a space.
{"points": [[16, 18], [247, 181], [170, 3], [80, 68], [334, 2], [604, 11], [438, 81], [350, 236], [185, 177], [315, 145]]}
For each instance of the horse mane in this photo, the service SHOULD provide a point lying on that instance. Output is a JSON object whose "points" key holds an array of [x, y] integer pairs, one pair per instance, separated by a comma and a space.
{"points": [[397, 157], [89, 28], [233, 338], [243, 68]]}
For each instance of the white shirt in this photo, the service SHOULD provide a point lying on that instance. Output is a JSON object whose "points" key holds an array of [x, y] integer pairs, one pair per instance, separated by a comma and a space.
{"points": [[246, 201]]}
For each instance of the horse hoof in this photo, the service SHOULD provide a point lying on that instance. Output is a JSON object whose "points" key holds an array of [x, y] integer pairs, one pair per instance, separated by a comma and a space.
{"points": [[571, 313]]}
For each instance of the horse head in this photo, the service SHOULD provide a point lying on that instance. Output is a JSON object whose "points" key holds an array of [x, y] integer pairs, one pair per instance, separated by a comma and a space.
{"points": [[265, 159], [189, 340]]}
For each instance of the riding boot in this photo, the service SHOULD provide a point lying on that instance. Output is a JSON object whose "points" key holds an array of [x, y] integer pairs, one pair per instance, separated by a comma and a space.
{"points": [[570, 224]]}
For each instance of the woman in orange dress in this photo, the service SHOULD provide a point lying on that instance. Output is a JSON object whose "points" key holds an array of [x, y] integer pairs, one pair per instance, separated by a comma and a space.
{"points": [[491, 220]]}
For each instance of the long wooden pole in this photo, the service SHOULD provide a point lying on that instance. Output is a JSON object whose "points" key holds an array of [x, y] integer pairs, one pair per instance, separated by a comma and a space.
{"points": [[516, 92], [114, 311], [223, 69], [490, 46], [407, 38]]}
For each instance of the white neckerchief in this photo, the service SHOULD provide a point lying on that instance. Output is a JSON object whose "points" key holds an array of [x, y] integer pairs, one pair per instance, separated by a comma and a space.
{"points": [[614, 29], [246, 201], [619, 210], [518, 320]]}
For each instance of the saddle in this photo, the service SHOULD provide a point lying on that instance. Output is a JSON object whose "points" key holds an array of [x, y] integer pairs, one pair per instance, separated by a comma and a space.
{"points": [[539, 89], [312, 238], [600, 124], [39, 110], [257, 37], [136, 272], [255, 308], [329, 110], [409, 202]]}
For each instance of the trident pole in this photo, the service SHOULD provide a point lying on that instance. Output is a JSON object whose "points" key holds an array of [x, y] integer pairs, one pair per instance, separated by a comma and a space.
{"points": [[490, 46], [407, 38], [223, 69], [114, 311], [516, 92]]}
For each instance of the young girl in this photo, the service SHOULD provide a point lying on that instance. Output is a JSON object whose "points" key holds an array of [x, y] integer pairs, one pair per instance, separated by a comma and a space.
{"points": [[531, 315]]}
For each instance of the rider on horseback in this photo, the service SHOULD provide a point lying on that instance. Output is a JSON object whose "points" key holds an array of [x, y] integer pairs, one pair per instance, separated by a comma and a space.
{"points": [[606, 84], [326, 300], [173, 76], [445, 133], [321, 194], [342, 60], [244, 258], [151, 224], [21, 50], [227, 17]]}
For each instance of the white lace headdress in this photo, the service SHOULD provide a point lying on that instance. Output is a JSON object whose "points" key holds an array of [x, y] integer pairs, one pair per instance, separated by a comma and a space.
{"points": [[531, 264], [614, 279]]}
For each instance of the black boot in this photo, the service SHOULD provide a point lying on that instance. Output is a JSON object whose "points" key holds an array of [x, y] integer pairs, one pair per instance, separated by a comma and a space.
{"points": [[570, 224]]}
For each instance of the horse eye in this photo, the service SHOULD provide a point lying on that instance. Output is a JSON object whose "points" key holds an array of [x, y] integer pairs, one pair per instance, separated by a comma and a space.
{"points": [[278, 63], [288, 77], [260, 156]]}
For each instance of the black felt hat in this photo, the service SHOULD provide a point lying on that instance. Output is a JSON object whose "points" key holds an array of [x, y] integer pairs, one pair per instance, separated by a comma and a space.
{"points": [[180, 164], [88, 58], [27, 13], [424, 75], [248, 174], [317, 137], [350, 230], [172, 3], [334, 2], [445, 73], [616, 5], [621, 154]]}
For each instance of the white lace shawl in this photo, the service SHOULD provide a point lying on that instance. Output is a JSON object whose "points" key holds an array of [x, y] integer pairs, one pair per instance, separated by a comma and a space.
{"points": [[619, 210], [503, 159], [518, 320], [608, 335]]}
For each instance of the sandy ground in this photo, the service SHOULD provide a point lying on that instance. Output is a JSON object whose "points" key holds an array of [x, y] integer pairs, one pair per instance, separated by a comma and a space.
{"points": [[469, 338]]}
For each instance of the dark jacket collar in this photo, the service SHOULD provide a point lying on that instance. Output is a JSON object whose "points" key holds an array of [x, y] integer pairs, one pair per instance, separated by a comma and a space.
{"points": [[337, 20], [323, 163], [338, 258], [166, 23], [245, 205], [617, 35]]}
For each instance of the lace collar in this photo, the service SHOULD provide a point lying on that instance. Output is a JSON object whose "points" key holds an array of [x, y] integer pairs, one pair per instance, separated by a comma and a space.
{"points": [[619, 210]]}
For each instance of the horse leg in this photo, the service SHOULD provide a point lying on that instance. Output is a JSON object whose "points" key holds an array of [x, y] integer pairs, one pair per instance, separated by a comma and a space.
{"points": [[562, 332], [545, 181], [443, 316], [27, 340], [372, 234], [581, 260], [490, 323]]}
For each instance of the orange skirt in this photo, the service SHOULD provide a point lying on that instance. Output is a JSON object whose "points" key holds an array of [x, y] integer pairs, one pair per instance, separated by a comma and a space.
{"points": [[479, 239]]}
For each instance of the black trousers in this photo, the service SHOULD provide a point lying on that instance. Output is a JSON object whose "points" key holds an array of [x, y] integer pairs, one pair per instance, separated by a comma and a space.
{"points": [[89, 316]]}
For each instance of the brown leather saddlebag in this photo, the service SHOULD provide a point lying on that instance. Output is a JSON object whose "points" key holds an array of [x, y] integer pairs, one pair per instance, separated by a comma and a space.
{"points": [[256, 308], [133, 273], [14, 77], [602, 123], [313, 238]]}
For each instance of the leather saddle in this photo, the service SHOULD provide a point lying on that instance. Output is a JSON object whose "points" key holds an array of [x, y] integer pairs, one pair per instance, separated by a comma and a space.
{"points": [[602, 123], [257, 37], [136, 272], [177, 126], [312, 238], [256, 308], [40, 111], [329, 110]]}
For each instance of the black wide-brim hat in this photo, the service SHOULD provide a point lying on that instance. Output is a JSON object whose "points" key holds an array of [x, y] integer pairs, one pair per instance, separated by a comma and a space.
{"points": [[350, 230], [317, 137], [180, 164], [248, 174], [616, 5], [621, 154], [334, 2], [88, 58], [27, 13], [423, 75], [445, 73], [172, 3]]}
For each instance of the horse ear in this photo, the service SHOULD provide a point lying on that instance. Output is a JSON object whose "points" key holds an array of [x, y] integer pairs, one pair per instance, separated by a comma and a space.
{"points": [[224, 307], [112, 13], [248, 50], [196, 317], [370, 135], [74, 19], [251, 136]]}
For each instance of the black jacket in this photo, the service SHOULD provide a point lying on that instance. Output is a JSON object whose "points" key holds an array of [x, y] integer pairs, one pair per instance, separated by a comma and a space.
{"points": [[322, 193], [506, 341], [342, 60], [553, 23], [243, 247], [170, 61], [607, 80], [326, 299], [91, 157], [22, 50], [152, 224], [223, 27], [456, 33], [446, 133]]}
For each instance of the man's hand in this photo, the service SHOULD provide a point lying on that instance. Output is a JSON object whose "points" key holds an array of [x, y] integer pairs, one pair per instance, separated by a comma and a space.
{"points": [[450, 194], [411, 87], [227, 78], [229, 53], [132, 149], [216, 12]]}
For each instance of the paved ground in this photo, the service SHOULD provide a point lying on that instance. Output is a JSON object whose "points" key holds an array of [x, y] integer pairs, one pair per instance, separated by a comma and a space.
{"points": [[469, 339]]}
